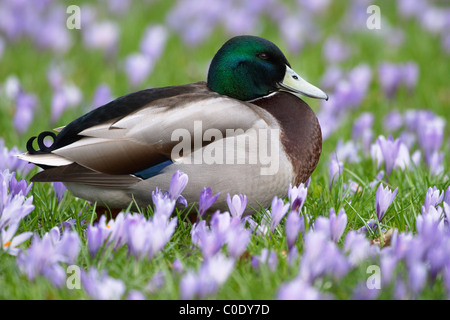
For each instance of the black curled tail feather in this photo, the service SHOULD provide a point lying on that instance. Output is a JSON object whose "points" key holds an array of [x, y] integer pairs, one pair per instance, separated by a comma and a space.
{"points": [[40, 140]]}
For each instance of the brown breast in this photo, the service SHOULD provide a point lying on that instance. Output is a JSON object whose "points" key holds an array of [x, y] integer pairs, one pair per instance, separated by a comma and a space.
{"points": [[301, 135]]}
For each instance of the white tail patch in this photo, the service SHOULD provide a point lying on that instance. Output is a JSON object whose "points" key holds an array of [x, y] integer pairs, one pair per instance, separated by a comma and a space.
{"points": [[48, 159]]}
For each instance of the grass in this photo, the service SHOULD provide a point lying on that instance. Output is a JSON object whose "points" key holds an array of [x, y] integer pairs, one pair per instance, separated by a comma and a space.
{"points": [[180, 64]]}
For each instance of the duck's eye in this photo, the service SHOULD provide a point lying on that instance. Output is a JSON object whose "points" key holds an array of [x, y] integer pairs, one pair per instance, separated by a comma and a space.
{"points": [[263, 56], [295, 77]]}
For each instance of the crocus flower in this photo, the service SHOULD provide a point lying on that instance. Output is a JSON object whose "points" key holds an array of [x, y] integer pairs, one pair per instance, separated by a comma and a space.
{"points": [[177, 184], [297, 196], [60, 189], [210, 276], [321, 257], [210, 242], [9, 160], [10, 241], [237, 240], [335, 51], [137, 68], [237, 205], [15, 209], [145, 238], [25, 106], [447, 196], [417, 276], [389, 149], [277, 212], [383, 199], [298, 289], [335, 169], [338, 223], [102, 35], [177, 266], [357, 247], [362, 123], [206, 200], [44, 255], [154, 41], [433, 197], [294, 224], [390, 77], [430, 135], [100, 286], [16, 187], [102, 96], [162, 203], [393, 121]]}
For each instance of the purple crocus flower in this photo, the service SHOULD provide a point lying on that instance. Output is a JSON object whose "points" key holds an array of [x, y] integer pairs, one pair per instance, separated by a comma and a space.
{"points": [[14, 209], [297, 196], [154, 41], [294, 225], [210, 242], [138, 67], [430, 135], [357, 247], [100, 286], [102, 96], [162, 203], [177, 184], [210, 276], [335, 51], [10, 241], [321, 257], [102, 35], [393, 121], [338, 223], [145, 238], [430, 224], [298, 289], [15, 187], [432, 198], [206, 200], [383, 199], [237, 205], [277, 212], [389, 150], [135, 295], [388, 263], [44, 255], [177, 266], [335, 169], [237, 240], [447, 196], [361, 124], [417, 276], [9, 160], [66, 96], [96, 237], [390, 77], [60, 189], [25, 106]]}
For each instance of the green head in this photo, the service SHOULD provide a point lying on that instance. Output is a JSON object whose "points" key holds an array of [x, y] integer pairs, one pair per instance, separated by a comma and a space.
{"points": [[249, 67]]}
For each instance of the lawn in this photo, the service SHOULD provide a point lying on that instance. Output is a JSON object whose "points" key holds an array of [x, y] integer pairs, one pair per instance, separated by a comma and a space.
{"points": [[372, 222]]}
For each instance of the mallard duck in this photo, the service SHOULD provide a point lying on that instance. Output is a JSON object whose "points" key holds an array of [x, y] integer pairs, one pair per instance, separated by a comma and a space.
{"points": [[244, 131]]}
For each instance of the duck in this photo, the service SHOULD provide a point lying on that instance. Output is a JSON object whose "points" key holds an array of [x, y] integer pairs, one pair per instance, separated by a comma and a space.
{"points": [[245, 130]]}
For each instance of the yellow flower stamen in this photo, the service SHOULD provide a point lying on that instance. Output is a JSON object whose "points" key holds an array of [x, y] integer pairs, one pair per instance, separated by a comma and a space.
{"points": [[7, 244]]}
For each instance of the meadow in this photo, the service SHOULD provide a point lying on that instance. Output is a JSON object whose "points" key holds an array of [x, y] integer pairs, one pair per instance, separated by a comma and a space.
{"points": [[372, 222]]}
